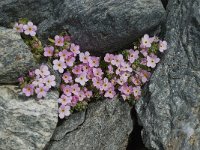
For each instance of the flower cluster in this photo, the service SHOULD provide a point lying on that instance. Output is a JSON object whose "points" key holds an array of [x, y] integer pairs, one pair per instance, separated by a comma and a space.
{"points": [[39, 82], [85, 76], [27, 29]]}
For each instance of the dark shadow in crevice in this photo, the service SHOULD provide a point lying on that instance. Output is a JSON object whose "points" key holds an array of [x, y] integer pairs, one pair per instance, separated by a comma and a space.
{"points": [[135, 139], [164, 2]]}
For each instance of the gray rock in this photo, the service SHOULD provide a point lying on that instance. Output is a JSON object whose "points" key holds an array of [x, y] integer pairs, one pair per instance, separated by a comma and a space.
{"points": [[25, 123], [170, 110], [97, 26], [105, 125], [15, 56]]}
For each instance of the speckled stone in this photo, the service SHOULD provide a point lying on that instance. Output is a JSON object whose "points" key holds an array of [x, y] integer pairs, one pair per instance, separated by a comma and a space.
{"points": [[105, 125], [15, 56], [96, 25], [170, 110], [26, 123]]}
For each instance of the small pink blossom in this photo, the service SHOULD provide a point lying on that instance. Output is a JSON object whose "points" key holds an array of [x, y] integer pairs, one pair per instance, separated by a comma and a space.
{"points": [[30, 29], [18, 27], [50, 81], [41, 91], [67, 77], [64, 54], [75, 49], [110, 69], [106, 85], [65, 100], [143, 61], [126, 67], [88, 94], [136, 81], [38, 81], [162, 46], [77, 70], [83, 57], [90, 74], [43, 71], [144, 75], [127, 90], [75, 89], [118, 59], [75, 100], [64, 111], [98, 72], [28, 90], [59, 40], [48, 51], [67, 90], [93, 61], [82, 79], [137, 91], [124, 76], [110, 93], [133, 55], [97, 82], [108, 57], [81, 96], [21, 80], [146, 41], [152, 61], [59, 65], [125, 97], [144, 52], [70, 61]]}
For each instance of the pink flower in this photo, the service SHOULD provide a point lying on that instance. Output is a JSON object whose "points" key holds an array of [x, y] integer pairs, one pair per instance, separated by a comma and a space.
{"points": [[106, 85], [137, 91], [75, 89], [43, 71], [75, 49], [121, 81], [144, 75], [59, 40], [110, 69], [118, 59], [64, 111], [83, 57], [41, 91], [77, 70], [28, 90], [48, 51], [127, 90], [133, 55], [152, 61], [63, 54], [98, 72], [88, 94], [21, 80], [67, 90], [162, 46], [108, 57], [146, 42], [97, 82], [70, 61], [18, 27], [30, 29], [50, 81], [31, 73], [144, 52], [124, 76], [38, 81], [75, 100], [81, 96], [136, 80], [90, 74], [126, 67], [125, 97], [67, 77], [143, 61], [59, 65], [110, 93], [82, 79], [93, 61], [65, 100]]}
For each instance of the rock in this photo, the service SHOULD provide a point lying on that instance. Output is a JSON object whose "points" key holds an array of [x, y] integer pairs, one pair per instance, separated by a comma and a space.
{"points": [[26, 123], [170, 109], [105, 125], [97, 26], [15, 56]]}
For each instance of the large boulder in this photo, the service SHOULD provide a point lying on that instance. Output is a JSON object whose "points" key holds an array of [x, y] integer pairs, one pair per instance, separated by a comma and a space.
{"points": [[26, 124], [98, 26], [105, 125], [15, 56], [170, 110]]}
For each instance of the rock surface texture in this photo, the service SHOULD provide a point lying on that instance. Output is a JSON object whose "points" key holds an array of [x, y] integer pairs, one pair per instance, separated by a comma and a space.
{"points": [[170, 110], [105, 125], [25, 123], [97, 26], [15, 56]]}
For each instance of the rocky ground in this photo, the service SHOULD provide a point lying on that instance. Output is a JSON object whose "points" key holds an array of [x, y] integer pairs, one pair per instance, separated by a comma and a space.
{"points": [[166, 118]]}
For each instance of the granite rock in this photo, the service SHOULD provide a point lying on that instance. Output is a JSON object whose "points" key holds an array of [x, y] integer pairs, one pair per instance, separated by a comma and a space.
{"points": [[97, 26], [15, 56], [25, 123], [105, 125], [170, 109]]}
